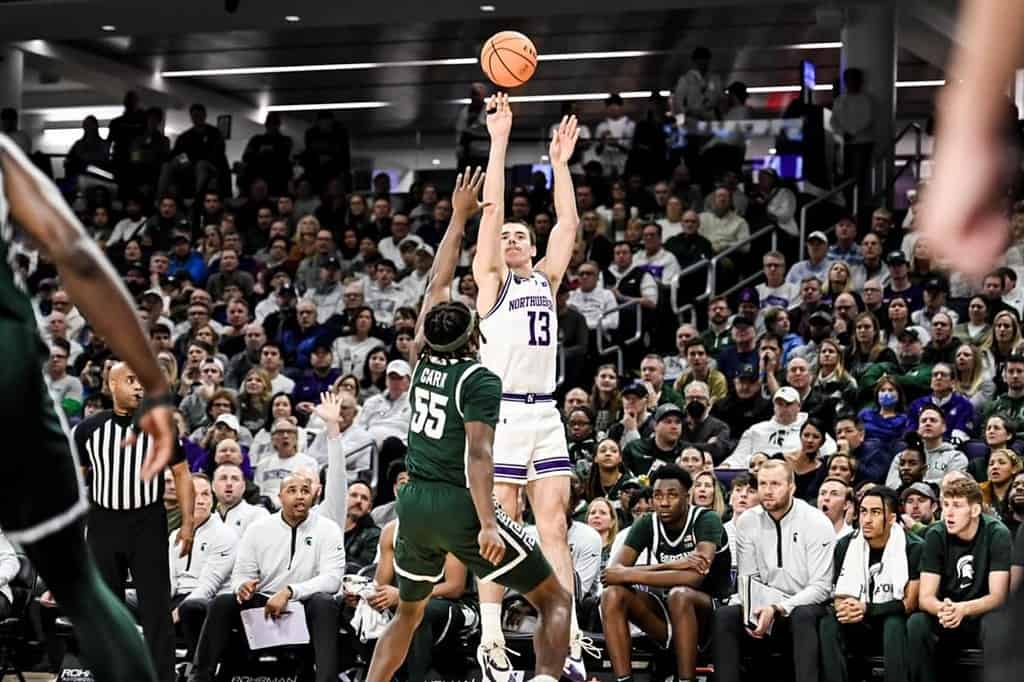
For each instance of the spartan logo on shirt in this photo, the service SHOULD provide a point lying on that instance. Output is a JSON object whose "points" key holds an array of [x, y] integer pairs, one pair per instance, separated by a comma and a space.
{"points": [[778, 438], [202, 547], [965, 572], [309, 541]]}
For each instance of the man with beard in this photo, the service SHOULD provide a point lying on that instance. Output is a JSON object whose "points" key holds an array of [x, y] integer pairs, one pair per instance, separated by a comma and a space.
{"points": [[744, 406], [940, 455], [327, 295], [943, 346], [876, 578], [240, 364], [718, 335], [361, 533], [920, 505], [663, 447], [1010, 403], [673, 596], [965, 577], [810, 302], [698, 363], [787, 545], [912, 374], [228, 488], [1017, 503]]}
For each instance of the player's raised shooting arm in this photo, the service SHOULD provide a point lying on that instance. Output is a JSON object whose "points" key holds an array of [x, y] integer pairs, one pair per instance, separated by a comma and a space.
{"points": [[488, 263], [563, 236], [41, 211], [479, 442]]}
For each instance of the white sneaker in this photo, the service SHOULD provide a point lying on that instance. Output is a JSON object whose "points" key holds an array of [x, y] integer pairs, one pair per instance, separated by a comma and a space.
{"points": [[494, 663], [575, 670]]}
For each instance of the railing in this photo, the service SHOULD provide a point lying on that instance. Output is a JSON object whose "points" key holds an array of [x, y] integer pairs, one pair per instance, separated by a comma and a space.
{"points": [[712, 270], [835, 191], [882, 164], [617, 348], [560, 364]]}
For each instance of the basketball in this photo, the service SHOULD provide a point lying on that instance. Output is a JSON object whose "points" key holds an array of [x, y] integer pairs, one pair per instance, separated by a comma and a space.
{"points": [[509, 59]]}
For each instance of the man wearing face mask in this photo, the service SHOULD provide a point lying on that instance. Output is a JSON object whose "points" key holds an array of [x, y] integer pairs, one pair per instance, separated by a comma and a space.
{"points": [[699, 429]]}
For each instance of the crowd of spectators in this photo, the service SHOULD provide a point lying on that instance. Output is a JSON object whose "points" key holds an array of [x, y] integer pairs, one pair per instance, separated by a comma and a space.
{"points": [[846, 428]]}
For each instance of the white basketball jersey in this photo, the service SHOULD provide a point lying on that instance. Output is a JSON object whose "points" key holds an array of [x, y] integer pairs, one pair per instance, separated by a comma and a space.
{"points": [[521, 332]]}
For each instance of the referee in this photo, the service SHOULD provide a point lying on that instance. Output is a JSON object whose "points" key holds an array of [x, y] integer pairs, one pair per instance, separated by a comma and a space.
{"points": [[127, 527]]}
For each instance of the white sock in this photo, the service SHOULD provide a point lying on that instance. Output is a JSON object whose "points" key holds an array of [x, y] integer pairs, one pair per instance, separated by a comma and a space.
{"points": [[490, 624], [543, 678], [575, 650]]}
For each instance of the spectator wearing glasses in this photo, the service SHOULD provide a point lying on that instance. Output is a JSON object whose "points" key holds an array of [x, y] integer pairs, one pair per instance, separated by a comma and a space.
{"points": [[211, 374], [775, 290], [283, 460], [957, 409], [73, 320], [66, 389]]}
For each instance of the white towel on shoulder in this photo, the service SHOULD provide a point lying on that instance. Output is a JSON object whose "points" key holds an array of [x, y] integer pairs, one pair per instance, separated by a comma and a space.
{"points": [[855, 578]]}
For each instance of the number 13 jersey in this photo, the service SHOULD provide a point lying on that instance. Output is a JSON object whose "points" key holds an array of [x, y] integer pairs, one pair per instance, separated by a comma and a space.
{"points": [[521, 333]]}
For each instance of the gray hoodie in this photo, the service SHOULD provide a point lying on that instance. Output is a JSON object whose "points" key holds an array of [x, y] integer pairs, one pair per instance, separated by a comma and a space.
{"points": [[942, 459]]}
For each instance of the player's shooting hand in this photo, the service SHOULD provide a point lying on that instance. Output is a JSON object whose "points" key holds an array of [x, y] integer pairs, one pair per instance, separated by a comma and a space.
{"points": [[962, 215], [564, 141], [499, 116], [465, 198], [246, 590], [492, 547]]}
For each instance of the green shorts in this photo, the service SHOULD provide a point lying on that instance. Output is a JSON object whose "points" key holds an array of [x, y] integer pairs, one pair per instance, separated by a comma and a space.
{"points": [[40, 486], [435, 519]]}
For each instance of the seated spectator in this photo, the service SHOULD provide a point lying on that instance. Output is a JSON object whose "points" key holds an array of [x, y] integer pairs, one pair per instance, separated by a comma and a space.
{"points": [[605, 399], [742, 351], [778, 202], [197, 577], [1017, 510], [957, 410], [685, 241], [722, 225], [396, 477], [386, 416], [912, 374], [677, 365], [835, 501], [691, 460], [920, 507], [272, 362], [358, 445], [229, 489], [254, 399], [809, 469], [594, 303], [876, 578], [699, 369], [744, 406], [283, 460], [936, 289], [328, 293], [383, 295], [684, 577], [831, 379], [970, 377], [361, 533], [659, 262], [776, 322], [318, 378], [900, 284], [718, 334], [775, 291], [1003, 344], [742, 496], [777, 435], [808, 304], [1003, 465], [66, 389], [581, 440], [800, 569], [940, 455], [195, 403], [1009, 402], [866, 346], [609, 478], [871, 457], [269, 563], [652, 371], [872, 266], [976, 329], [965, 575], [602, 517], [943, 346], [887, 420], [637, 420], [998, 432], [281, 407], [663, 447], [700, 429], [707, 493], [374, 381], [817, 263]]}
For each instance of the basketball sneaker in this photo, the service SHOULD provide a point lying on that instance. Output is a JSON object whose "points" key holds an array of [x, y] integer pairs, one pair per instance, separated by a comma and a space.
{"points": [[494, 663], [575, 670]]}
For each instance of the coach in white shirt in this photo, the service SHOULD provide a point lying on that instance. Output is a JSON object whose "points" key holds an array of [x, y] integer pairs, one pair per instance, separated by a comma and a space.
{"points": [[197, 577], [593, 303], [287, 557], [229, 486]]}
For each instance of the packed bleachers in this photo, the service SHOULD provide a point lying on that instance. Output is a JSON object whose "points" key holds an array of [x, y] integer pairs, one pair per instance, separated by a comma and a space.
{"points": [[890, 387]]}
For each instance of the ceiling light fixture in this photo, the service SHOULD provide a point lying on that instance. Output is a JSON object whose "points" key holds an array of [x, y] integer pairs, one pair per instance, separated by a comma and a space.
{"points": [[436, 162], [813, 46], [487, 8], [108, 28], [102, 112], [292, 18], [327, 106]]}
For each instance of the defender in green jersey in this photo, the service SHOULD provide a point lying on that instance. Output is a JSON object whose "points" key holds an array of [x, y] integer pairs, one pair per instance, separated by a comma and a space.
{"points": [[448, 505], [42, 493]]}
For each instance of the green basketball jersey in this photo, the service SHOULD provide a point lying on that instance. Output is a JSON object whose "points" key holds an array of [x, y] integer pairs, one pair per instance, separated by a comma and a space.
{"points": [[446, 394], [14, 301]]}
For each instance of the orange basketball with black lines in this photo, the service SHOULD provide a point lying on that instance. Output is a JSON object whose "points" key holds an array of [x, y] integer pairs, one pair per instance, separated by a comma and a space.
{"points": [[509, 59]]}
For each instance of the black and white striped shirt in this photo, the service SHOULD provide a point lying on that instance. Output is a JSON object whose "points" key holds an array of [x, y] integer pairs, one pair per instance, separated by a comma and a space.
{"points": [[116, 480]]}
